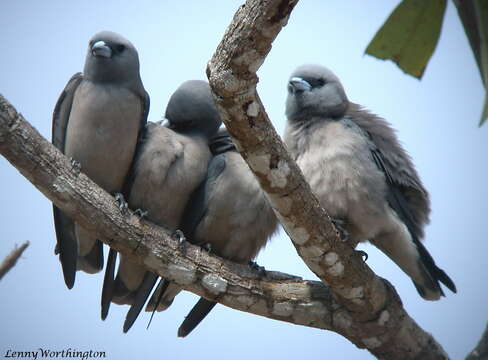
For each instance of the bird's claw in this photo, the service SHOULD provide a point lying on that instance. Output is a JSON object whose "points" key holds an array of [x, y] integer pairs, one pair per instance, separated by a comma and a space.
{"points": [[123, 206], [208, 247], [75, 165], [180, 237], [141, 213], [364, 255], [260, 269], [339, 225]]}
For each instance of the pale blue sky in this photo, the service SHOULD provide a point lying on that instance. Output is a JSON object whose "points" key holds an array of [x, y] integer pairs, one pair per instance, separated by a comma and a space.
{"points": [[44, 43]]}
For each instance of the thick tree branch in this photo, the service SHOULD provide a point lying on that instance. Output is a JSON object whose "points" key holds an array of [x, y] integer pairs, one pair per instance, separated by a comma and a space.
{"points": [[374, 318], [275, 295], [362, 307], [480, 352], [11, 259]]}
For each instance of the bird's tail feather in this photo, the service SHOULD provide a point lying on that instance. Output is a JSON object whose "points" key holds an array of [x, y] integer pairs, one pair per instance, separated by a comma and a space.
{"points": [[140, 298], [195, 316], [163, 297], [108, 283], [67, 246], [436, 274]]}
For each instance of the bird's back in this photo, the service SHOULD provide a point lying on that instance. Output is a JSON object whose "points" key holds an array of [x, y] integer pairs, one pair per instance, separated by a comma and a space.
{"points": [[239, 220], [162, 184]]}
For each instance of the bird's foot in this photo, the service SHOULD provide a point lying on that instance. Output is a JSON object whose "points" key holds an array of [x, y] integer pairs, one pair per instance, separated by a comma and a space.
{"points": [[123, 206], [364, 255], [141, 213], [208, 247], [339, 225], [260, 269], [75, 165], [180, 237]]}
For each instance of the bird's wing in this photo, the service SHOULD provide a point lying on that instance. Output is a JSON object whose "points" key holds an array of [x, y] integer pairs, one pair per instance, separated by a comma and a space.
{"points": [[197, 205], [399, 168], [67, 245], [398, 202], [108, 280]]}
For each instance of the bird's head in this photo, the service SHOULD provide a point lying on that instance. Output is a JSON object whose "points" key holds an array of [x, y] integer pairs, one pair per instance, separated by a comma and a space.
{"points": [[111, 58], [191, 110], [314, 90]]}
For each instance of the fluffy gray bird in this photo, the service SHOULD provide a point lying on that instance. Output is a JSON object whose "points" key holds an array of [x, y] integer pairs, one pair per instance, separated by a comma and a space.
{"points": [[361, 174], [97, 122], [170, 165], [228, 212]]}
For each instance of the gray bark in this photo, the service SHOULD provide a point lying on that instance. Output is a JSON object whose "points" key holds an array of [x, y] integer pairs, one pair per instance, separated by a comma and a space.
{"points": [[275, 295], [380, 323], [480, 352]]}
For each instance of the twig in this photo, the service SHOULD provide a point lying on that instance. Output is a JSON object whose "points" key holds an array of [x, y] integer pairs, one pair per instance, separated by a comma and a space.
{"points": [[11, 259]]}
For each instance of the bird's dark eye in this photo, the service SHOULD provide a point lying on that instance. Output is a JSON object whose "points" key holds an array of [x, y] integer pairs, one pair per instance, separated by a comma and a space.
{"points": [[320, 83], [120, 48], [314, 82], [317, 83]]}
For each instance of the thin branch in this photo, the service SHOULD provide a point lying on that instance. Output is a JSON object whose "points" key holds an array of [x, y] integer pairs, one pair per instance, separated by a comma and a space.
{"points": [[11, 259], [380, 323]]}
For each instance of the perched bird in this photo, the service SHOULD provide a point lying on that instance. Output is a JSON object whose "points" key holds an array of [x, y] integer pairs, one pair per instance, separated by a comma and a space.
{"points": [[361, 174], [229, 213], [170, 165], [97, 122]]}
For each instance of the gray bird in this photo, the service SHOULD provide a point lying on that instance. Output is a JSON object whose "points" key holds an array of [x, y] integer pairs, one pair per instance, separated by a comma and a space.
{"points": [[97, 122], [229, 213], [170, 165], [361, 174]]}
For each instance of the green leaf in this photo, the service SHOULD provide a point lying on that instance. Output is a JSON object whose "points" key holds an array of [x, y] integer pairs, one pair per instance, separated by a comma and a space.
{"points": [[409, 35]]}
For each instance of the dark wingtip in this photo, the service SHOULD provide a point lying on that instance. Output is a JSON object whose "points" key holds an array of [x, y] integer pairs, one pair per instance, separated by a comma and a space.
{"points": [[108, 284], [126, 327], [69, 280], [436, 272], [130, 319], [446, 280], [68, 258], [195, 316], [141, 296], [69, 269], [162, 286], [182, 332]]}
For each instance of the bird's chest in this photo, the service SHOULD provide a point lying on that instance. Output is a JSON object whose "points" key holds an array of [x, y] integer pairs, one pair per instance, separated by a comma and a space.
{"points": [[169, 169], [336, 161], [102, 132], [104, 111]]}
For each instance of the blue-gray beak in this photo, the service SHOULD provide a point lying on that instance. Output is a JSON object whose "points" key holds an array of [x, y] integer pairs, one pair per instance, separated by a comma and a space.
{"points": [[297, 84], [100, 48]]}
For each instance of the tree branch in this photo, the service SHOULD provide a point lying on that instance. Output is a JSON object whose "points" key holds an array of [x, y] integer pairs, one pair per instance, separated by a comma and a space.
{"points": [[373, 315], [275, 295], [362, 307], [11, 259], [480, 352]]}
